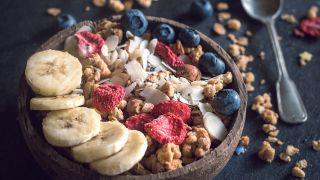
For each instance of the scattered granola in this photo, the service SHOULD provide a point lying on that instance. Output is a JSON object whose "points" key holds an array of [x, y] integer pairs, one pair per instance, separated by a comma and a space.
{"points": [[195, 55], [269, 116], [266, 152], [262, 81], [262, 55], [316, 145], [245, 140], [222, 6], [234, 24], [87, 9], [261, 103], [243, 60], [116, 5], [243, 41], [291, 150], [248, 80], [53, 11], [297, 172], [312, 12], [232, 38], [285, 157], [223, 16], [219, 29], [302, 164], [289, 18], [144, 3], [305, 57], [99, 3]]}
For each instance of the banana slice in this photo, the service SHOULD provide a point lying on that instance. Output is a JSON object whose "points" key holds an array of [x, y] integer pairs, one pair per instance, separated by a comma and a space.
{"points": [[53, 73], [132, 152], [70, 127], [111, 139], [56, 103]]}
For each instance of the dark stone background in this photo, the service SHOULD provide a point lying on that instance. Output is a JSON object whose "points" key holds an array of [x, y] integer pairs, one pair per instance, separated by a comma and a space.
{"points": [[24, 26]]}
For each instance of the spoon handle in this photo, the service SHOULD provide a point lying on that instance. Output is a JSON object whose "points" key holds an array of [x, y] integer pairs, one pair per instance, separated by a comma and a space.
{"points": [[290, 104]]}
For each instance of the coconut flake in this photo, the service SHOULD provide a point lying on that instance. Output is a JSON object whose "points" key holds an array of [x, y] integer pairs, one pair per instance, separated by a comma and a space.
{"points": [[205, 107], [113, 57], [112, 42], [136, 72], [214, 126], [153, 95], [152, 45], [130, 88], [196, 93], [129, 35], [123, 55], [154, 60], [199, 83], [103, 81], [144, 44], [77, 91], [144, 58]]}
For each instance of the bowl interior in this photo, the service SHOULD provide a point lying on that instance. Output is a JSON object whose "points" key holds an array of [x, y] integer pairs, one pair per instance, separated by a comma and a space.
{"points": [[31, 122]]}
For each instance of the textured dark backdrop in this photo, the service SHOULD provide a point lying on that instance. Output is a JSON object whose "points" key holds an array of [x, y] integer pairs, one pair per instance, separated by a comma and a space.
{"points": [[24, 26]]}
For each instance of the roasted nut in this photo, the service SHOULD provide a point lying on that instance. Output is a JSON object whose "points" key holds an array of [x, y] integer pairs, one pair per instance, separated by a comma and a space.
{"points": [[284, 157], [219, 29], [266, 152], [291, 150], [222, 6], [168, 89], [190, 72], [245, 140], [234, 24], [297, 172], [223, 16], [196, 54], [134, 106], [316, 145]]}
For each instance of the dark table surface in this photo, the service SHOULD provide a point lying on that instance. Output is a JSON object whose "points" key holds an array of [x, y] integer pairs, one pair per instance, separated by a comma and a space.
{"points": [[24, 26]]}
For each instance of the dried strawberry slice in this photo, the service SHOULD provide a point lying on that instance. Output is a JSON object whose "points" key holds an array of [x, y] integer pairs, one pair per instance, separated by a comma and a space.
{"points": [[175, 107], [105, 97], [167, 128], [168, 55], [137, 122], [311, 27], [88, 43]]}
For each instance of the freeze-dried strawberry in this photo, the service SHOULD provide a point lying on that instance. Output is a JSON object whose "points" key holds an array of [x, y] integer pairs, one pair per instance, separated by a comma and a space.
{"points": [[137, 122], [168, 55], [175, 107], [105, 97], [167, 128], [310, 27], [88, 43]]}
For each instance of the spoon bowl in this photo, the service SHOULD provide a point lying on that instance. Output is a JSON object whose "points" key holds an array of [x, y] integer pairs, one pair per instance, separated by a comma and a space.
{"points": [[262, 9]]}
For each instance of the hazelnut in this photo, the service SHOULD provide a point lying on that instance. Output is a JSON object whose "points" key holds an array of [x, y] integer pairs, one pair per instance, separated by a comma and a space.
{"points": [[189, 72]]}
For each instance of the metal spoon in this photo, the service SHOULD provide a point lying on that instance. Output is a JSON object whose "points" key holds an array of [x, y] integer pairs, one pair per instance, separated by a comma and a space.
{"points": [[290, 104]]}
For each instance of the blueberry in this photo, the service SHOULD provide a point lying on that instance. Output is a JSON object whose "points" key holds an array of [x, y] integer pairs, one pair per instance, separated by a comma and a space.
{"points": [[134, 21], [201, 9], [164, 33], [240, 150], [226, 101], [189, 37], [210, 63], [66, 20]]}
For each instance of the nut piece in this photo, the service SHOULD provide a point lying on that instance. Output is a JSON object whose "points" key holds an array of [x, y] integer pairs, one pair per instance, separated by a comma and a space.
{"points": [[261, 103], [219, 29], [304, 58], [242, 61], [169, 156], [234, 24], [190, 72], [302, 164], [144, 3], [312, 12], [245, 140], [289, 18], [291, 150], [168, 89], [284, 157], [116, 5], [196, 54], [99, 3], [197, 143], [234, 50], [269, 116], [147, 107], [53, 11], [266, 152], [316, 145], [134, 106], [232, 38], [223, 16], [177, 48], [243, 41], [222, 6], [297, 172], [115, 115], [248, 80]]}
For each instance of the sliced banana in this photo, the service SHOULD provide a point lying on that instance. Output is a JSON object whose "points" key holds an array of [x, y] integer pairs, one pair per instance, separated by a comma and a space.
{"points": [[53, 73], [111, 139], [56, 103], [132, 152], [70, 127]]}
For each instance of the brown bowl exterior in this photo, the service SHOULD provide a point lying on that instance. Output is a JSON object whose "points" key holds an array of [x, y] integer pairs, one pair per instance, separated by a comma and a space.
{"points": [[62, 167]]}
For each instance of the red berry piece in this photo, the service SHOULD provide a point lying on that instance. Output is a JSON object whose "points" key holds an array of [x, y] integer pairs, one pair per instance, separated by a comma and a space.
{"points": [[168, 55], [175, 107], [89, 43], [105, 97], [311, 27], [167, 128], [137, 122]]}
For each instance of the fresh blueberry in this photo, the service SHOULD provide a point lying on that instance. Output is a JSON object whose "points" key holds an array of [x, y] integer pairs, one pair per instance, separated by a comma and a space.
{"points": [[66, 20], [210, 63], [226, 101], [240, 150], [201, 9], [134, 21], [189, 37], [164, 33]]}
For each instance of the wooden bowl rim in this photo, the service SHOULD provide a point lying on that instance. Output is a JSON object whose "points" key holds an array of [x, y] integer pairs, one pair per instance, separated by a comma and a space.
{"points": [[24, 117]]}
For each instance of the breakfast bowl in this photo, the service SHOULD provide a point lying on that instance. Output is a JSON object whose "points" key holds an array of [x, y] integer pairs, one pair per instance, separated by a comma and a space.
{"points": [[58, 163]]}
